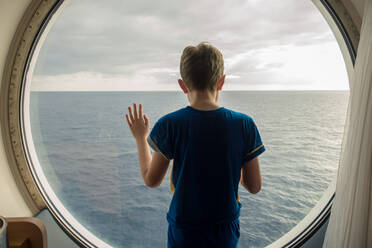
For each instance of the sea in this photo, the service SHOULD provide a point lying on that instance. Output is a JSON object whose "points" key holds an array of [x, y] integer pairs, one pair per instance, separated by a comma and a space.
{"points": [[89, 157]]}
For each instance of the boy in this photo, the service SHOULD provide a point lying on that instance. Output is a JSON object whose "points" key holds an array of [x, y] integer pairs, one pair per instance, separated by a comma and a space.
{"points": [[212, 148]]}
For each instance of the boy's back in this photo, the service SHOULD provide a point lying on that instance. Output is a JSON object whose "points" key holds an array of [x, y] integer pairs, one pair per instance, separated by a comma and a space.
{"points": [[208, 149]]}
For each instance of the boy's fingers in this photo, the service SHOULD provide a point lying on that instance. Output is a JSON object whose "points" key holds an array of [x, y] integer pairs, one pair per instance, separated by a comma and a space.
{"points": [[140, 111], [146, 119], [130, 114], [129, 123], [135, 114]]}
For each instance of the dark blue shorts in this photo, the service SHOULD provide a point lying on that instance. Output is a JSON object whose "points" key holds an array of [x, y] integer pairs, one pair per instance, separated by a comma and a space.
{"points": [[222, 235]]}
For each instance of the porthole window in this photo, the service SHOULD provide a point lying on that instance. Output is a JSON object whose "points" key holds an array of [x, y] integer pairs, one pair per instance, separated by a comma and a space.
{"points": [[283, 66]]}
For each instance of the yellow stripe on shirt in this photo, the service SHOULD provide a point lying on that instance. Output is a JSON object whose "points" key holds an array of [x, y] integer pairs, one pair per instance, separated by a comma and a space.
{"points": [[171, 180], [250, 153]]}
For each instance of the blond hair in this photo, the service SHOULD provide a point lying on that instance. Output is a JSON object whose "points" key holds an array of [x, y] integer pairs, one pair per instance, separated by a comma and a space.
{"points": [[201, 67]]}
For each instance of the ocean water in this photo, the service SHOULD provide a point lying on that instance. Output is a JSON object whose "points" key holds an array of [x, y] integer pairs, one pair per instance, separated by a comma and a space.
{"points": [[89, 157]]}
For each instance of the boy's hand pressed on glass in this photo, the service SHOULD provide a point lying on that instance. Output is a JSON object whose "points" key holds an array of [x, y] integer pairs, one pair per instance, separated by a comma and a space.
{"points": [[139, 123], [153, 168]]}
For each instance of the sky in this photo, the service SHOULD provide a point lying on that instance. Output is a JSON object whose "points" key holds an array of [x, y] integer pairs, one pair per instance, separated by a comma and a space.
{"points": [[126, 45]]}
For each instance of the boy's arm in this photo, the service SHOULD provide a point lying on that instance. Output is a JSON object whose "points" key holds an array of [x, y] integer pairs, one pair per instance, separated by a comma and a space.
{"points": [[251, 176], [153, 168]]}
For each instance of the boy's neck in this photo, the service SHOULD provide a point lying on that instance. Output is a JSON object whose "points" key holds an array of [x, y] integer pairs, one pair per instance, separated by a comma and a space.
{"points": [[203, 100]]}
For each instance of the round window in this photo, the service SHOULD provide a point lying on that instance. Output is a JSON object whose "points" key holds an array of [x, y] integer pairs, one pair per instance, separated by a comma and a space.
{"points": [[100, 56]]}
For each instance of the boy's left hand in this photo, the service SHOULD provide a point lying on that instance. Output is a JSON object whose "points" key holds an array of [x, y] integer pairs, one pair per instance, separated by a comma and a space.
{"points": [[139, 124]]}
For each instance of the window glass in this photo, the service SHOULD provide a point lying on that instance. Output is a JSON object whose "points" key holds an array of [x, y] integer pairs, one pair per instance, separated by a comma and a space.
{"points": [[283, 66]]}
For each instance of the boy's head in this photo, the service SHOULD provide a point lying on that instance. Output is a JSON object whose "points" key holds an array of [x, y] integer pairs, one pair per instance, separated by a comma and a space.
{"points": [[201, 67]]}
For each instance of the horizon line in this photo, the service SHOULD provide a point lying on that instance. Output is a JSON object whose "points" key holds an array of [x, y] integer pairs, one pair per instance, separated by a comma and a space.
{"points": [[182, 92]]}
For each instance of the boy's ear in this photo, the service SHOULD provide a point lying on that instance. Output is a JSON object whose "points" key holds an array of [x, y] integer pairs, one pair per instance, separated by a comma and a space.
{"points": [[183, 86], [221, 82]]}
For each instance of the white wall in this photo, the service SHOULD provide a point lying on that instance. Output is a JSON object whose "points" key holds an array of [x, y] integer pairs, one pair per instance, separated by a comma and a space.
{"points": [[12, 203]]}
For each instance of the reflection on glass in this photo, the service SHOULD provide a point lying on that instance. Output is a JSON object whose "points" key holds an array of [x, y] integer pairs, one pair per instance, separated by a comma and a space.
{"points": [[101, 56]]}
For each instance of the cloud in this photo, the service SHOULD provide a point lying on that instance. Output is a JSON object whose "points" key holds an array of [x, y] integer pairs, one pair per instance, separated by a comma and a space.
{"points": [[129, 39], [92, 81]]}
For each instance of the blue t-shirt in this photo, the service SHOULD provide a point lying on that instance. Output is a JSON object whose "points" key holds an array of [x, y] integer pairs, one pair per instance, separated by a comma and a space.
{"points": [[208, 149]]}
